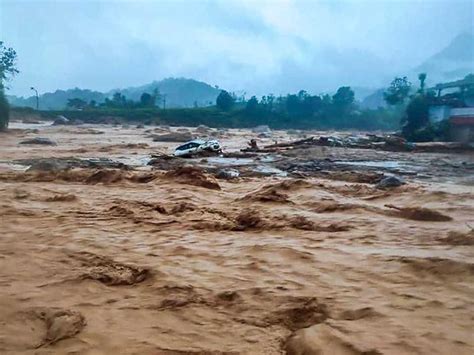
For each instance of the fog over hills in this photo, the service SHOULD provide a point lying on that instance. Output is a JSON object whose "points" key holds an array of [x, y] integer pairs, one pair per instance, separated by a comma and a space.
{"points": [[451, 63], [454, 61], [257, 47], [179, 92]]}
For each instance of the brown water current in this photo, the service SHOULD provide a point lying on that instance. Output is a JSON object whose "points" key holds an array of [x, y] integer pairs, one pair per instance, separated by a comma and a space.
{"points": [[136, 260]]}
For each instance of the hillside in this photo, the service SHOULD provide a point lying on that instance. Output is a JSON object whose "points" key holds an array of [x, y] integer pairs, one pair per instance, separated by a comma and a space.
{"points": [[454, 61], [57, 100], [179, 92], [374, 100]]}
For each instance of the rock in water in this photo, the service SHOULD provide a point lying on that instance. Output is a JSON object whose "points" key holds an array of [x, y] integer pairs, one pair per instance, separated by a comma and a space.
{"points": [[227, 174], [261, 129], [389, 182], [39, 140], [61, 120]]}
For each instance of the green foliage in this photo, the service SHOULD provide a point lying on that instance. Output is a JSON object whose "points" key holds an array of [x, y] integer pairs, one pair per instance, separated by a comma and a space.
{"points": [[252, 106], [398, 91], [118, 101], [300, 111], [343, 99], [7, 63], [422, 78], [7, 71], [225, 101], [417, 119], [180, 92], [76, 103], [147, 100]]}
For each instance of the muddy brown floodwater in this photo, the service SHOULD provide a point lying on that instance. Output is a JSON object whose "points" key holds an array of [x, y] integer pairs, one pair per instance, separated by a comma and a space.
{"points": [[136, 260]]}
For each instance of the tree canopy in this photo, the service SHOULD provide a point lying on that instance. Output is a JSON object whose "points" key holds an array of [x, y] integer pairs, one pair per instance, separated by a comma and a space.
{"points": [[343, 98], [7, 71], [76, 103], [398, 91], [7, 63], [147, 100], [225, 101]]}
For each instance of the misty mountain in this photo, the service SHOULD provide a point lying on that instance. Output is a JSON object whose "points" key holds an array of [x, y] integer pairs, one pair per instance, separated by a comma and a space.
{"points": [[179, 92], [374, 100], [56, 100], [454, 61]]}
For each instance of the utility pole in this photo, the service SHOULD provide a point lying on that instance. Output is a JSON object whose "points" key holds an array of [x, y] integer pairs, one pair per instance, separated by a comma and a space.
{"points": [[37, 97], [164, 101]]}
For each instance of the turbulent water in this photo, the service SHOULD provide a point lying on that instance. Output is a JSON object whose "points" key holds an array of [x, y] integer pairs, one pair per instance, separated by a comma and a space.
{"points": [[149, 262]]}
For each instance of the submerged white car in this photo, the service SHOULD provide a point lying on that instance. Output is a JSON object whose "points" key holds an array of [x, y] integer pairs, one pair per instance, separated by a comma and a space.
{"points": [[197, 146]]}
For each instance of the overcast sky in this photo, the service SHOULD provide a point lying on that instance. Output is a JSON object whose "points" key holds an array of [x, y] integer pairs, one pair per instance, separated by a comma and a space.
{"points": [[257, 46]]}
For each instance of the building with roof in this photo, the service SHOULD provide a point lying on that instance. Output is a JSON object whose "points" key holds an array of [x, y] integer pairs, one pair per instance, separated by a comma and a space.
{"points": [[457, 106]]}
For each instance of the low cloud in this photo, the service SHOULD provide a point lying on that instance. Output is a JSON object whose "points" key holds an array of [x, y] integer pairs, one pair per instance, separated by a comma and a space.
{"points": [[256, 46]]}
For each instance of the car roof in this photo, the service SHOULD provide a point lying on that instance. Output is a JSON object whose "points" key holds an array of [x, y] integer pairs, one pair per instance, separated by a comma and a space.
{"points": [[199, 141]]}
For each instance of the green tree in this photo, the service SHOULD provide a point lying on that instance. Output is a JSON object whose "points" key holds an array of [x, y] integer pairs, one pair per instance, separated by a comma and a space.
{"points": [[224, 101], [292, 105], [270, 101], [119, 100], [343, 98], [252, 105], [416, 118], [398, 91], [7, 71], [312, 104], [147, 100], [422, 78], [76, 103]]}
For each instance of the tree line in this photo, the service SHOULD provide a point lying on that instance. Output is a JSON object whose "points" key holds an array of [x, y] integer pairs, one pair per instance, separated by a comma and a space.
{"points": [[118, 101], [407, 108], [303, 110]]}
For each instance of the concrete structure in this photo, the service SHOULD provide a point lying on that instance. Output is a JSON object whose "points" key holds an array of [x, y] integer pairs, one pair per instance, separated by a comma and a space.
{"points": [[457, 106], [439, 113], [462, 124]]}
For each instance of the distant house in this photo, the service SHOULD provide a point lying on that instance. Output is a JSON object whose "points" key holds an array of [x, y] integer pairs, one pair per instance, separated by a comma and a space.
{"points": [[457, 106], [462, 124]]}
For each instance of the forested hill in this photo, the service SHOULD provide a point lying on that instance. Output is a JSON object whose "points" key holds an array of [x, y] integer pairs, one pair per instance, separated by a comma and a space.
{"points": [[178, 92], [57, 100]]}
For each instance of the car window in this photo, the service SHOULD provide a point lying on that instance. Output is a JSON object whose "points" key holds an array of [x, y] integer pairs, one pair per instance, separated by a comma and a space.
{"points": [[188, 146]]}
